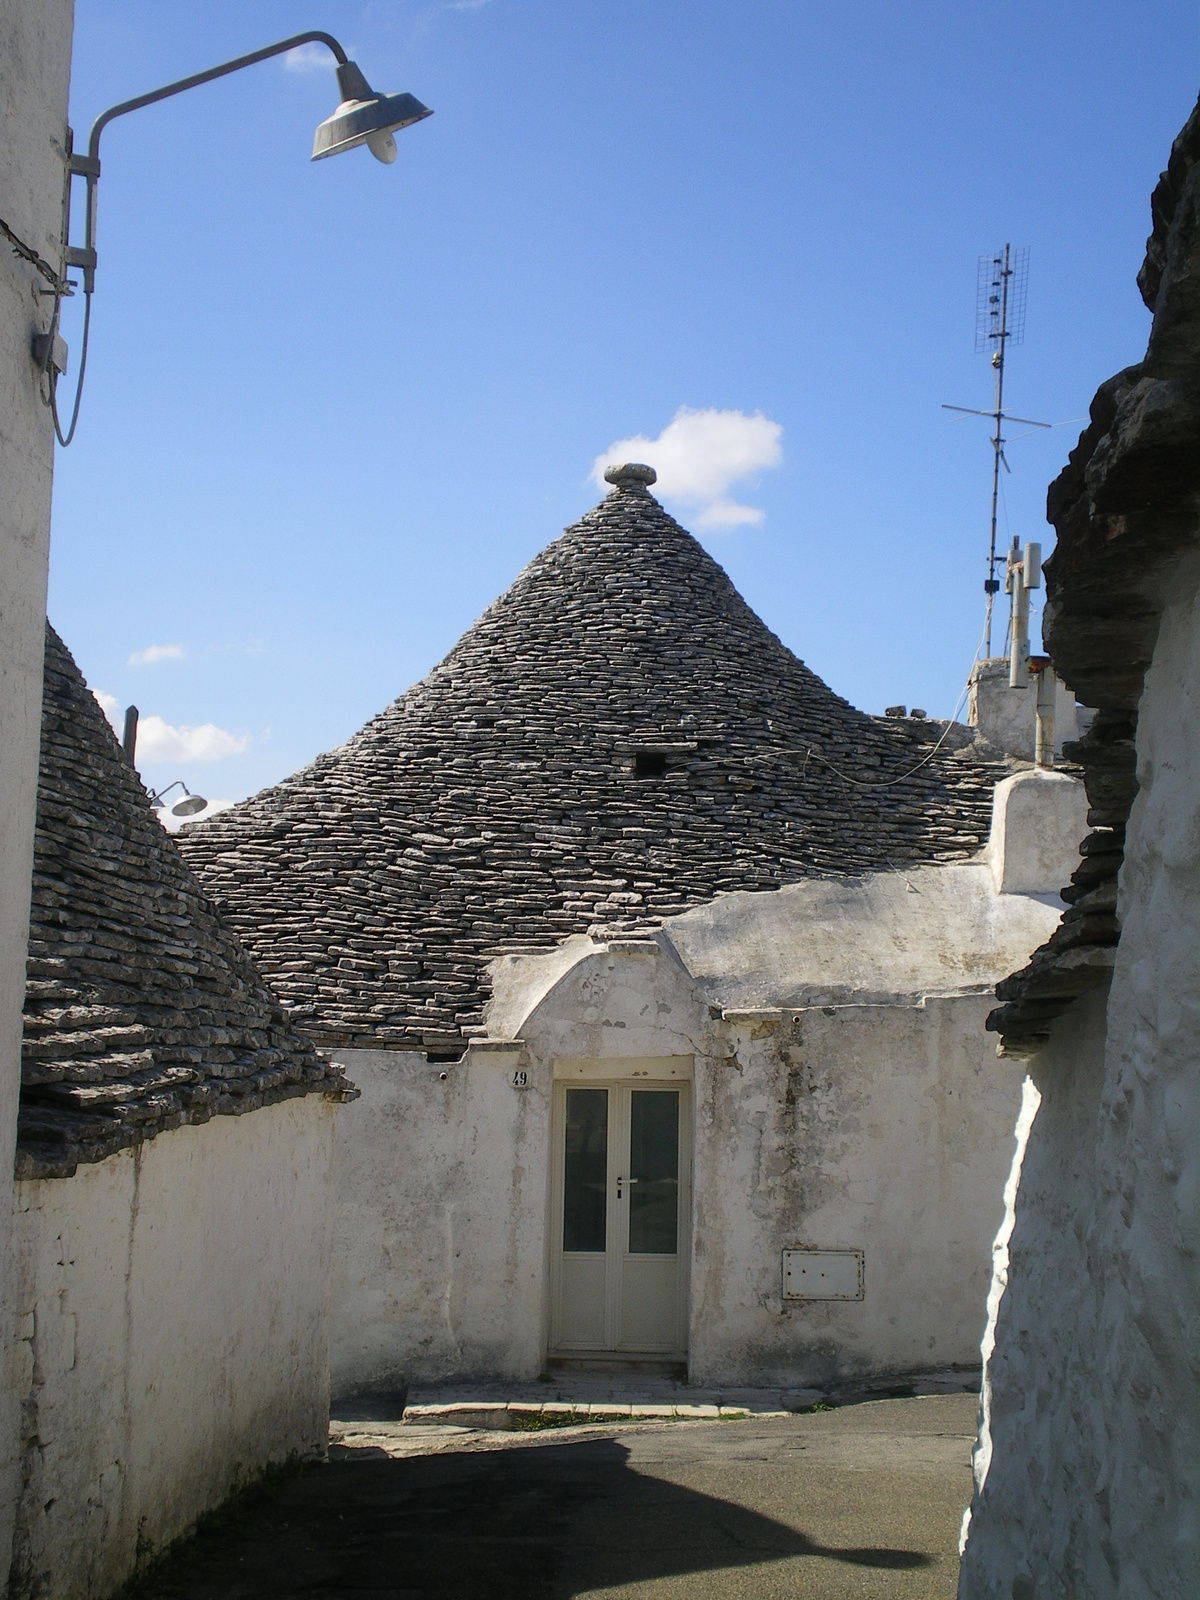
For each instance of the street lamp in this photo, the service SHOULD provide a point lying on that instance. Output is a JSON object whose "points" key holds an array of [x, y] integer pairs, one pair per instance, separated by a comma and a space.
{"points": [[186, 806], [188, 803], [362, 117]]}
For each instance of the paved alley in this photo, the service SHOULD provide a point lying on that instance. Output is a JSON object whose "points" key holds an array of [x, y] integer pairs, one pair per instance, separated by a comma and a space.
{"points": [[864, 1501]]}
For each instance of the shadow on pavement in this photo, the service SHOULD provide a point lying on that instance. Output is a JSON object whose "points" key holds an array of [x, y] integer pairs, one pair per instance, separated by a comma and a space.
{"points": [[551, 1521]]}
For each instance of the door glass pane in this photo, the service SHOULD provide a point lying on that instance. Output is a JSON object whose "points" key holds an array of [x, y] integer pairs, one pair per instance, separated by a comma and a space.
{"points": [[654, 1172], [585, 1172]]}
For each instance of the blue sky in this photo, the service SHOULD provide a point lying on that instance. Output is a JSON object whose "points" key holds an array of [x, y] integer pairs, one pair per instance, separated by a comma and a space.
{"points": [[332, 409]]}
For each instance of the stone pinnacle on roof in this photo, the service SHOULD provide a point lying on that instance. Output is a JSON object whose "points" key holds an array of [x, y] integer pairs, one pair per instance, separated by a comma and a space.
{"points": [[616, 739], [630, 475]]}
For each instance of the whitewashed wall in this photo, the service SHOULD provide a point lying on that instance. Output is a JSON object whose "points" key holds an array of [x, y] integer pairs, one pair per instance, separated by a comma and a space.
{"points": [[439, 1237], [1093, 1482], [885, 1128], [174, 1336], [820, 1120], [35, 60]]}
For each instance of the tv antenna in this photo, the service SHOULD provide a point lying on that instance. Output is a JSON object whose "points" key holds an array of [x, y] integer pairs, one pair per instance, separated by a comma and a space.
{"points": [[1000, 294]]}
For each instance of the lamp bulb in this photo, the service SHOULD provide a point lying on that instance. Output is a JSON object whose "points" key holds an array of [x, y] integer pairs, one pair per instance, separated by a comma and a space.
{"points": [[382, 146]]}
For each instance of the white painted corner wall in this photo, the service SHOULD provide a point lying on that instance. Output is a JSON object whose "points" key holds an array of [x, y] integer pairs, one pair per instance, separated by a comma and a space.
{"points": [[1093, 1439], [173, 1339], [35, 63]]}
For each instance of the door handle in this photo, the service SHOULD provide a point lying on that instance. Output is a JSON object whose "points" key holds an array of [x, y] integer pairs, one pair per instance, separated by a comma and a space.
{"points": [[621, 1180]]}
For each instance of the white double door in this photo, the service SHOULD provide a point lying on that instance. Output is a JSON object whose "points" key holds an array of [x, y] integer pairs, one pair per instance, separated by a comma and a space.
{"points": [[620, 1218]]}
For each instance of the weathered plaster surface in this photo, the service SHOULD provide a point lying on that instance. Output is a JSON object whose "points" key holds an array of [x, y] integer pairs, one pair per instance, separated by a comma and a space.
{"points": [[1094, 1482], [1007, 717], [927, 930], [982, 1454], [1039, 819], [845, 1096], [173, 1336], [439, 1238], [35, 60], [885, 1128]]}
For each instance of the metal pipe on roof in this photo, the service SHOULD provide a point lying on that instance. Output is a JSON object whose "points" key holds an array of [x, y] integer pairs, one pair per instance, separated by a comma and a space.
{"points": [[129, 737]]}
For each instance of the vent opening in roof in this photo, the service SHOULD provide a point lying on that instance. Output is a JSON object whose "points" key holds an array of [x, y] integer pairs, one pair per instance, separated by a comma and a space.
{"points": [[649, 764]]}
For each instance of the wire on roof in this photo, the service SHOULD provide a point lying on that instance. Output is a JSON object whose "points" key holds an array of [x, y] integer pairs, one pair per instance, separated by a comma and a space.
{"points": [[887, 783]]}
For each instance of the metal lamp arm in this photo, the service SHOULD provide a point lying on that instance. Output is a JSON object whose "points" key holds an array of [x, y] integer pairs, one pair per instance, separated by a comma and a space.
{"points": [[198, 78], [158, 793], [89, 166]]}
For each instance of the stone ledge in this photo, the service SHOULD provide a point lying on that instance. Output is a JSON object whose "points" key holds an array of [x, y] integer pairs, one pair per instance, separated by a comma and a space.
{"points": [[506, 1416]]}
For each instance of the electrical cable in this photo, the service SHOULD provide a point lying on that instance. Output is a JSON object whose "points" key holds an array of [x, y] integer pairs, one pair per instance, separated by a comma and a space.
{"points": [[60, 287], [65, 438], [887, 783], [91, 167], [27, 253], [47, 376]]}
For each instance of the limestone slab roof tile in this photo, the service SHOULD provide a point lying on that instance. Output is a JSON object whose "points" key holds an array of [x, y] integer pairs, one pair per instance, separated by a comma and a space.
{"points": [[616, 739], [142, 1011], [1126, 509]]}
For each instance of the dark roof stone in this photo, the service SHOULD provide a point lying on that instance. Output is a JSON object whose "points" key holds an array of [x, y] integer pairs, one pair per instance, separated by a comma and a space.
{"points": [[1127, 511], [616, 739], [142, 1011]]}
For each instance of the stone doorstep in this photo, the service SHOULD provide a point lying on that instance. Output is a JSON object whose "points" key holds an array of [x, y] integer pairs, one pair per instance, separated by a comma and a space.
{"points": [[480, 1407], [509, 1415]]}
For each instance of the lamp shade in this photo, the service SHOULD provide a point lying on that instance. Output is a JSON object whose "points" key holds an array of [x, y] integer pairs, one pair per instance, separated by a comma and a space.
{"points": [[364, 117], [189, 805], [186, 806]]}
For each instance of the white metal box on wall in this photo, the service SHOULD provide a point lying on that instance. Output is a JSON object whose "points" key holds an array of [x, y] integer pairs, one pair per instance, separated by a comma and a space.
{"points": [[823, 1275]]}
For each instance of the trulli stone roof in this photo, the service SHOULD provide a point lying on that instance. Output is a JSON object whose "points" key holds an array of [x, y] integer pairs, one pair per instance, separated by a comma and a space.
{"points": [[142, 1010], [510, 798]]}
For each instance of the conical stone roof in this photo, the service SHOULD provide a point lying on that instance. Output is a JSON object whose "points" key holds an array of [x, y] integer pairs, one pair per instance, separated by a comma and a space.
{"points": [[142, 1011], [616, 739]]}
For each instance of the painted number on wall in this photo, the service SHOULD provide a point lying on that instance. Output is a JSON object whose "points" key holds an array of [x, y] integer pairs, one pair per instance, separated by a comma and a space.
{"points": [[520, 1079]]}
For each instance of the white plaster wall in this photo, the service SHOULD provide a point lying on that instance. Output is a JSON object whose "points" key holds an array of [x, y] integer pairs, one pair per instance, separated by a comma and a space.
{"points": [[35, 59], [441, 1264], [928, 930], [1094, 1482], [439, 1245], [1039, 820], [884, 1128], [1007, 717], [1032, 1513], [174, 1336]]}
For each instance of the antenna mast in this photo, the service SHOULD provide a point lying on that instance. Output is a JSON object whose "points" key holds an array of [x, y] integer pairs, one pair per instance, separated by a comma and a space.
{"points": [[991, 327], [1000, 294]]}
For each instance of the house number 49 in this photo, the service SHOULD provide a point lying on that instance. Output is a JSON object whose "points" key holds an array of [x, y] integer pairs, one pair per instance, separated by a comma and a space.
{"points": [[520, 1079]]}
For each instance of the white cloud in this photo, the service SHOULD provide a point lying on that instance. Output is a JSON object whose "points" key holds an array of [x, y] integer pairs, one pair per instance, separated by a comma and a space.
{"points": [[159, 741], [111, 708], [155, 652], [699, 456], [310, 57]]}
